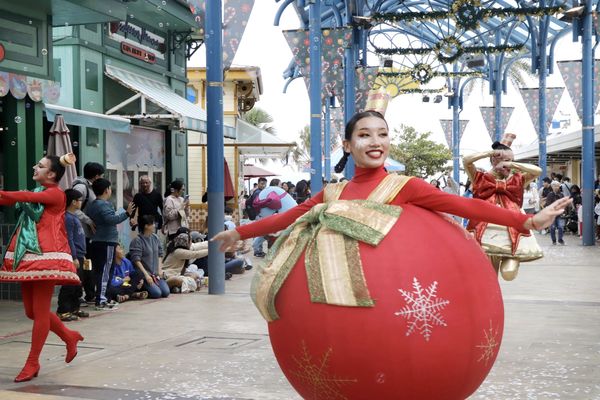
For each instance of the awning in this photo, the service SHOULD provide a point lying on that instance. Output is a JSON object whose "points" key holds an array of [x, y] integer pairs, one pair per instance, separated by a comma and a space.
{"points": [[254, 142], [251, 171], [191, 116], [560, 147], [88, 119]]}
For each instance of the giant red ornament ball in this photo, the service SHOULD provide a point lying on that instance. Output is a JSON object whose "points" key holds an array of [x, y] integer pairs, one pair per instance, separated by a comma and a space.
{"points": [[434, 332]]}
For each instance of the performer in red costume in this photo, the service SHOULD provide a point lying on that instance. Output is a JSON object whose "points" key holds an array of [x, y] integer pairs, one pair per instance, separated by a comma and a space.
{"points": [[503, 186], [370, 294], [39, 257]]}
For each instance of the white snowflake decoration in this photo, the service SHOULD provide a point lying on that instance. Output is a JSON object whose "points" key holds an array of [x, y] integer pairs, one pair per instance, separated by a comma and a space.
{"points": [[422, 309]]}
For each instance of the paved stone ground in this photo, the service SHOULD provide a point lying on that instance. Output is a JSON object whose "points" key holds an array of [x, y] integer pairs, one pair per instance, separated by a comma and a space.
{"points": [[216, 347]]}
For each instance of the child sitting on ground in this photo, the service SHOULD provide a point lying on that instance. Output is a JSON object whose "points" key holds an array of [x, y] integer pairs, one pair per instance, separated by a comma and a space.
{"points": [[126, 281]]}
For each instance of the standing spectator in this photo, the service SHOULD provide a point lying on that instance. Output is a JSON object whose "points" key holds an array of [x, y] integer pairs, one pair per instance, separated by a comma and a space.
{"points": [[176, 209], [544, 191], [126, 281], [145, 252], [104, 240], [576, 195], [566, 186], [68, 297], [148, 201], [257, 203], [249, 207], [530, 199], [559, 221], [91, 172], [302, 193]]}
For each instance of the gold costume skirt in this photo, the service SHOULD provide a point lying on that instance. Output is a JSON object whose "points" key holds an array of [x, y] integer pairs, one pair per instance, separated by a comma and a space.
{"points": [[496, 242]]}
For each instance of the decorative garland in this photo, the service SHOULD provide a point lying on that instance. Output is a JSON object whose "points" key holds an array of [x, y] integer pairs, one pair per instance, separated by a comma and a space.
{"points": [[434, 74], [445, 56], [466, 8]]}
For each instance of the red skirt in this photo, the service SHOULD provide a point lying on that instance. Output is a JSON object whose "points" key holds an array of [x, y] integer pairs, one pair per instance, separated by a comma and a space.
{"points": [[49, 266]]}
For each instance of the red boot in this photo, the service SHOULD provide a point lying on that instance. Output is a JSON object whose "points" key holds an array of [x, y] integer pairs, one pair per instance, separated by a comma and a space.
{"points": [[72, 346], [29, 371]]}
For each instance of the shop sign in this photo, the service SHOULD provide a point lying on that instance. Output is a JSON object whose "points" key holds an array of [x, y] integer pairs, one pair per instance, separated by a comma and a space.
{"points": [[126, 31], [138, 53]]}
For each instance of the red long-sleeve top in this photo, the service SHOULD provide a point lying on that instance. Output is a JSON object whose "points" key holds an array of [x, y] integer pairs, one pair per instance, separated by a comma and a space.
{"points": [[415, 191]]}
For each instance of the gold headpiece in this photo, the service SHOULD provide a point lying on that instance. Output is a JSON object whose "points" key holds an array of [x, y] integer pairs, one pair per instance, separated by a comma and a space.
{"points": [[68, 159]]}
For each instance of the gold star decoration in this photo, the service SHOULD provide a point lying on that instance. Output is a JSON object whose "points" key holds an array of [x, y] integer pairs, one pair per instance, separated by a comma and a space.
{"points": [[489, 344], [315, 375]]}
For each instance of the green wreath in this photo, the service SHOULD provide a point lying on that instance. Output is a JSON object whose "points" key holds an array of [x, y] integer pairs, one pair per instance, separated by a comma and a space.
{"points": [[467, 13], [421, 73], [448, 49]]}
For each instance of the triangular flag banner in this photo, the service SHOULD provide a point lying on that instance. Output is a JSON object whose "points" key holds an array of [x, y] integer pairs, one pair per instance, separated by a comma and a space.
{"points": [[365, 76], [447, 128], [235, 18], [334, 42], [571, 72], [531, 98], [488, 115], [198, 10]]}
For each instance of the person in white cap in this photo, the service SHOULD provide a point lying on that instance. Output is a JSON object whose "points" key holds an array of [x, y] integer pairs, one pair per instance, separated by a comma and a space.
{"points": [[503, 186]]}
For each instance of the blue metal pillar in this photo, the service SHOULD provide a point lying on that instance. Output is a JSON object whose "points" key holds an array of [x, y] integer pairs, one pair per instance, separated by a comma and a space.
{"points": [[497, 100], [316, 173], [349, 82], [542, 66], [455, 129], [587, 129], [215, 146], [327, 140]]}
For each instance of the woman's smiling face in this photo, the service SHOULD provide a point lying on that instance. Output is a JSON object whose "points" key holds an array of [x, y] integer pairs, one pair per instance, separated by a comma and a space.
{"points": [[370, 142]]}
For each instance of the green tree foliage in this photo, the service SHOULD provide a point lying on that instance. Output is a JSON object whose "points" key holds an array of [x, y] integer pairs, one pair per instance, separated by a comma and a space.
{"points": [[301, 153], [421, 156], [260, 118]]}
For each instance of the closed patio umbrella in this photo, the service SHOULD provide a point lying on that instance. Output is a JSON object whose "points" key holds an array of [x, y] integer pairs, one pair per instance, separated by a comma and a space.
{"points": [[59, 144]]}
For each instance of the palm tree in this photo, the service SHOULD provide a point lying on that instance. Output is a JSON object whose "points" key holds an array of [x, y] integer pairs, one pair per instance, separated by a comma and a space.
{"points": [[518, 73], [301, 152], [260, 118]]}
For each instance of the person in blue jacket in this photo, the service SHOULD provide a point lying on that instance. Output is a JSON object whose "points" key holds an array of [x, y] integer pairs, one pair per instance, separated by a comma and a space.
{"points": [[105, 239]]}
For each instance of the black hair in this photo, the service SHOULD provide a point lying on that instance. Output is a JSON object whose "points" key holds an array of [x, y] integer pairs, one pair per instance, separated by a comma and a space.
{"points": [[72, 195], [92, 170], [228, 211], [500, 146], [339, 167], [146, 219], [547, 180], [262, 180], [56, 167], [559, 177], [171, 246], [100, 185], [301, 191], [275, 182], [175, 186]]}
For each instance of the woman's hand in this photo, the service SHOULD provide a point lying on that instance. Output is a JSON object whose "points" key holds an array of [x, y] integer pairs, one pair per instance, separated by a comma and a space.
{"points": [[149, 279], [228, 240], [546, 217]]}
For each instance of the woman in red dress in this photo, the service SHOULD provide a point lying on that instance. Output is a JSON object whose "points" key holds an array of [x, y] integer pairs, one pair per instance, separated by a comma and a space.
{"points": [[38, 256], [503, 186], [401, 301]]}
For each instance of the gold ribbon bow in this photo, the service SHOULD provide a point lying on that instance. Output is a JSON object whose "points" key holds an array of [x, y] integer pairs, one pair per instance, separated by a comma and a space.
{"points": [[330, 233]]}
